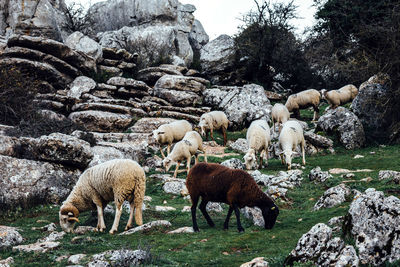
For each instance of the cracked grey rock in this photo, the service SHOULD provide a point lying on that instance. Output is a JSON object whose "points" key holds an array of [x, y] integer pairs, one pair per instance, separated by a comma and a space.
{"points": [[332, 197], [317, 175], [9, 236], [234, 163]]}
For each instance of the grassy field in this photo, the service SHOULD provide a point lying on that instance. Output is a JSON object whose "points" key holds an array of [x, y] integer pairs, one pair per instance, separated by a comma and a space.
{"points": [[214, 246]]}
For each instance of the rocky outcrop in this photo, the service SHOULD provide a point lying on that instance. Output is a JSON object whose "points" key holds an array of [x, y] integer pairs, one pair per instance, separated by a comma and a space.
{"points": [[121, 258], [36, 18], [375, 106], [27, 183], [392, 176], [167, 26], [373, 220], [344, 123], [9, 236], [319, 176], [234, 163], [318, 246], [117, 62], [217, 60], [332, 197], [242, 105]]}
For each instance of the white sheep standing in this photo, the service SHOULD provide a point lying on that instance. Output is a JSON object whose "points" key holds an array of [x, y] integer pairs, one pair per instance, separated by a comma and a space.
{"points": [[171, 132], [184, 150], [214, 120], [279, 114], [118, 180], [341, 96], [290, 137], [302, 100], [258, 138]]}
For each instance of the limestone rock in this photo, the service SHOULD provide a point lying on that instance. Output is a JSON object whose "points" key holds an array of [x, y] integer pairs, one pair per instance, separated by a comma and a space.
{"points": [[240, 145], [151, 75], [319, 176], [81, 230], [9, 236], [148, 125], [164, 208], [254, 214], [52, 237], [318, 140], [7, 262], [101, 121], [122, 258], [81, 85], [182, 230], [346, 125], [393, 176], [175, 186], [256, 262], [147, 227], [76, 258], [234, 163], [26, 183], [332, 197], [78, 41], [242, 105], [37, 247], [182, 83], [214, 207], [217, 59], [374, 220], [178, 98], [198, 36]]}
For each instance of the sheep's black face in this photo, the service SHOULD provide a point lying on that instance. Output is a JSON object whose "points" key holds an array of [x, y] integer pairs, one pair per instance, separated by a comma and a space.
{"points": [[270, 214]]}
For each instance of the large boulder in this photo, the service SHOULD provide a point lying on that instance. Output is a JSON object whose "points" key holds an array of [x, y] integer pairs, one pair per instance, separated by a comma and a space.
{"points": [[85, 44], [198, 36], [376, 106], [344, 123], [374, 220], [332, 197], [242, 105], [217, 59], [26, 183], [182, 83], [36, 18], [101, 121]]}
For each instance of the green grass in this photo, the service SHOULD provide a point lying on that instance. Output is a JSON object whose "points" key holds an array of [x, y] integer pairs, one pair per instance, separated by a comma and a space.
{"points": [[207, 247]]}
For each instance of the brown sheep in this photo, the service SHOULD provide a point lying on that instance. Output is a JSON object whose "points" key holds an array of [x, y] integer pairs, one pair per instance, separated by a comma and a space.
{"points": [[214, 182]]}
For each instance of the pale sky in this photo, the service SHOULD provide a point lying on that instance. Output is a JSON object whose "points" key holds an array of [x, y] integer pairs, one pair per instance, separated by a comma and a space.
{"points": [[223, 16]]}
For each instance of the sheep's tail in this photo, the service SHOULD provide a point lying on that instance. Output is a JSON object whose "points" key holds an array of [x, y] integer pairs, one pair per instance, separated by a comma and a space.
{"points": [[140, 189]]}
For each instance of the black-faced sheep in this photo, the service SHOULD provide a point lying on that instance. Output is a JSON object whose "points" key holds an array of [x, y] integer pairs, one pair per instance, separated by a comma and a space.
{"points": [[118, 180], [258, 138], [184, 150], [214, 182], [171, 132], [302, 100], [214, 120], [290, 137], [341, 96], [279, 114]]}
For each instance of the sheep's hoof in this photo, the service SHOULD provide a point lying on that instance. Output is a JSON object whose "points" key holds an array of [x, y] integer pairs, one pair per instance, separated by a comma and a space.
{"points": [[127, 228], [112, 232], [241, 230], [196, 229]]}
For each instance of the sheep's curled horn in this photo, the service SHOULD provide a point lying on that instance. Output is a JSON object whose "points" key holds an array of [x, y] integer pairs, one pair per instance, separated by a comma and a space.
{"points": [[72, 213]]}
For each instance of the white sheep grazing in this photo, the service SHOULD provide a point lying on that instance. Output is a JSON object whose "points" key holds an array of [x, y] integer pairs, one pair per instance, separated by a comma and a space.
{"points": [[279, 114], [184, 150], [214, 120], [258, 138], [341, 96], [118, 180], [290, 137], [302, 100], [171, 132]]}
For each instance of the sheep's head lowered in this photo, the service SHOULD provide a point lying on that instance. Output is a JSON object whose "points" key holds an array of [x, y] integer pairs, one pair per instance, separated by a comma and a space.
{"points": [[158, 134], [204, 124], [250, 159], [269, 214], [167, 163], [288, 156], [68, 217]]}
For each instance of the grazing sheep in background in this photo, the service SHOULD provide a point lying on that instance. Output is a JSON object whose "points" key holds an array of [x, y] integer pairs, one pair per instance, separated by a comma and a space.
{"points": [[214, 120], [302, 100], [184, 150], [118, 180], [171, 132], [258, 138], [214, 182], [341, 96], [279, 114], [290, 137]]}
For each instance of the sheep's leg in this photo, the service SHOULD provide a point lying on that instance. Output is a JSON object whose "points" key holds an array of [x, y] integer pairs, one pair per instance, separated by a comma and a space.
{"points": [[203, 209], [266, 155], [303, 151], [211, 134], [228, 216], [130, 220], [101, 226], [176, 170], [224, 133], [195, 200], [205, 155], [237, 213], [261, 160], [168, 149], [162, 152], [316, 113], [118, 212], [296, 113], [281, 156], [188, 164]]}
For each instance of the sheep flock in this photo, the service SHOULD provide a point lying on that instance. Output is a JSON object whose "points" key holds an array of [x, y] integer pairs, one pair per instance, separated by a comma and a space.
{"points": [[122, 180]]}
